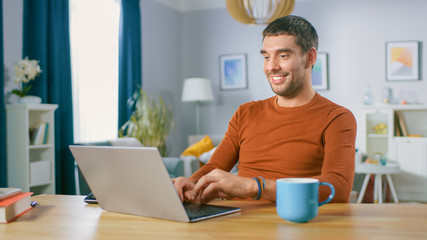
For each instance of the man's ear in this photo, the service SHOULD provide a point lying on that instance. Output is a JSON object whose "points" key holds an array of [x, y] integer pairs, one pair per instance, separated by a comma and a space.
{"points": [[311, 57]]}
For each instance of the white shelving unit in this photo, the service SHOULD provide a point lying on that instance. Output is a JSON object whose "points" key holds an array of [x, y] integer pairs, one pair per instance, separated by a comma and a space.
{"points": [[409, 152], [30, 167]]}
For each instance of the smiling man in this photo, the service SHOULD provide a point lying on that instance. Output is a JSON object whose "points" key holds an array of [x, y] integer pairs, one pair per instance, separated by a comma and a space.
{"points": [[296, 133]]}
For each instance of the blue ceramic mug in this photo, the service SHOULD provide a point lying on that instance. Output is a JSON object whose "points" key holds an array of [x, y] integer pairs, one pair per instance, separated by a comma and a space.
{"points": [[297, 199]]}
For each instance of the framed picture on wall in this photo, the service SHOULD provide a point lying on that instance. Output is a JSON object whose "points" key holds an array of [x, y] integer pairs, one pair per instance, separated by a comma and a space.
{"points": [[233, 71], [319, 77], [402, 61]]}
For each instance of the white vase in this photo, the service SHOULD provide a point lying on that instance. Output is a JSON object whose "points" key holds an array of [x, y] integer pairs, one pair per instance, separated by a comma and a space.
{"points": [[30, 99]]}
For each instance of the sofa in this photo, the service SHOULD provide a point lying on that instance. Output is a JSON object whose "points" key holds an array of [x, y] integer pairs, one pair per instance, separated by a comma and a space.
{"points": [[193, 163]]}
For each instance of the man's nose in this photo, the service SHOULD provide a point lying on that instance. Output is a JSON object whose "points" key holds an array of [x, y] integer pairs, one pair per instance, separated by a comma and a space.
{"points": [[273, 64]]}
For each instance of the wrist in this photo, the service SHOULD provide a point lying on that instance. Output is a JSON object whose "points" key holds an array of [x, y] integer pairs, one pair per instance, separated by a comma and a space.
{"points": [[260, 183], [253, 188]]}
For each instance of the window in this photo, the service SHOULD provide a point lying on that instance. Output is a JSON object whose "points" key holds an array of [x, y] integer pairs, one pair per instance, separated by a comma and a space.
{"points": [[94, 39]]}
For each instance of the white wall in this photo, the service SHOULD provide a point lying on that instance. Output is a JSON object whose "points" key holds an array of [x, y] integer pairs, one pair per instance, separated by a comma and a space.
{"points": [[162, 62], [12, 40], [353, 33], [177, 45]]}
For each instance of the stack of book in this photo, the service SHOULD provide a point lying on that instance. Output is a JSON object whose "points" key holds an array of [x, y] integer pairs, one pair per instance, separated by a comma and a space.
{"points": [[13, 203], [38, 133], [400, 125], [401, 129]]}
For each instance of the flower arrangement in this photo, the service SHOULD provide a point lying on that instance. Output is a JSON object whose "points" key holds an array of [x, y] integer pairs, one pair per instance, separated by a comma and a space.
{"points": [[26, 70]]}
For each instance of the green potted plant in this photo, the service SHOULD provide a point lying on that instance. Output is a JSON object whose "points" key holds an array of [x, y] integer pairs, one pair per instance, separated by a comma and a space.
{"points": [[151, 121]]}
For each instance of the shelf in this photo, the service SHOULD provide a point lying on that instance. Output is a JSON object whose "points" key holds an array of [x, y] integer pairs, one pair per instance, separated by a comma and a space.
{"points": [[40, 184], [30, 166], [409, 152], [373, 135], [41, 146], [412, 139], [33, 107], [398, 107]]}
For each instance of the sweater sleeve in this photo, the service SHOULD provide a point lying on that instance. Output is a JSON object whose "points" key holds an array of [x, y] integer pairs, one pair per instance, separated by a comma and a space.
{"points": [[227, 153], [338, 164]]}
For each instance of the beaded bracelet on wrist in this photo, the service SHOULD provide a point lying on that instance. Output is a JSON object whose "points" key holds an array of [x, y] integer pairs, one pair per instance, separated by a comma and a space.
{"points": [[261, 185]]}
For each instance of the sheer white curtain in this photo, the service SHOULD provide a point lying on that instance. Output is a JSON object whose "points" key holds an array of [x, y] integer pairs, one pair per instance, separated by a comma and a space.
{"points": [[94, 36]]}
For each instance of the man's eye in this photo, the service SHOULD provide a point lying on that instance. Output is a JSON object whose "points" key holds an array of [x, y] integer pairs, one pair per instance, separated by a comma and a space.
{"points": [[266, 58], [283, 55]]}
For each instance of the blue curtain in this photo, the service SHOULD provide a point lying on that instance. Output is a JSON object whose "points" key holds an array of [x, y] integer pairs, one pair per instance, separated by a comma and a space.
{"points": [[3, 164], [129, 56], [46, 38]]}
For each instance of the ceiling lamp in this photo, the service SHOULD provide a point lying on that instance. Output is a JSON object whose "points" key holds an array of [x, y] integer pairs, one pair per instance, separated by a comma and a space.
{"points": [[259, 11]]}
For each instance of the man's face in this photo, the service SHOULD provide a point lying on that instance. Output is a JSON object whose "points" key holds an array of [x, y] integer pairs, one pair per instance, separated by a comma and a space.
{"points": [[285, 65]]}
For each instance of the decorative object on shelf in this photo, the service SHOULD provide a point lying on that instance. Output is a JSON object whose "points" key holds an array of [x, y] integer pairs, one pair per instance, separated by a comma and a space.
{"points": [[233, 71], [259, 12], [197, 90], [378, 156], [402, 61], [368, 98], [30, 99], [380, 128], [150, 122], [408, 97], [388, 96], [26, 70], [319, 77]]}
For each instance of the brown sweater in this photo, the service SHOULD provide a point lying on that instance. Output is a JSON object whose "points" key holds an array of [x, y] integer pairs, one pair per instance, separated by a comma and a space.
{"points": [[315, 140]]}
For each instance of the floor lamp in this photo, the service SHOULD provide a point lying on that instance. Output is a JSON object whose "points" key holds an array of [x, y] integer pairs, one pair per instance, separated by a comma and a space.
{"points": [[197, 90]]}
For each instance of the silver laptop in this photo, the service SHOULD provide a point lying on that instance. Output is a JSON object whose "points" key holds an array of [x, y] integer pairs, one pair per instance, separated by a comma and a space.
{"points": [[134, 180]]}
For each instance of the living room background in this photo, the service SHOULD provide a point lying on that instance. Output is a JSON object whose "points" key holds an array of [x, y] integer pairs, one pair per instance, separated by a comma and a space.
{"points": [[177, 44]]}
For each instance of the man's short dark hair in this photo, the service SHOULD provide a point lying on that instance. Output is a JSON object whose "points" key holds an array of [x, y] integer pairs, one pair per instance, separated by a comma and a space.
{"points": [[305, 34]]}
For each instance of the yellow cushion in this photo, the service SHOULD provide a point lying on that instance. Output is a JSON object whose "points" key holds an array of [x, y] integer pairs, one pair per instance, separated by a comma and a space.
{"points": [[200, 147]]}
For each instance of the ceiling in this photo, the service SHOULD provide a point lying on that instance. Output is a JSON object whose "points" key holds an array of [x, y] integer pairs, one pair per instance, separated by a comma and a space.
{"points": [[192, 5]]}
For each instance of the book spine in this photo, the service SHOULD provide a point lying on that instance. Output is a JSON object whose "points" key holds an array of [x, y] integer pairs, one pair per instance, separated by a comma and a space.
{"points": [[46, 131], [397, 129], [36, 133], [402, 124], [40, 134]]}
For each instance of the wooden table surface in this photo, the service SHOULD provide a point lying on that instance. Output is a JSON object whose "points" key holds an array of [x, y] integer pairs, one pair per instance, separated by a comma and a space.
{"points": [[68, 217]]}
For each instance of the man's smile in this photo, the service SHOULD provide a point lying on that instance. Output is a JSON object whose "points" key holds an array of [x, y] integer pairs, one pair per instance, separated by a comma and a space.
{"points": [[278, 79]]}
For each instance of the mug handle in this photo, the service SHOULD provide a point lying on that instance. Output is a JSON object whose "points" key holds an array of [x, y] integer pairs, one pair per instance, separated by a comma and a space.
{"points": [[331, 196]]}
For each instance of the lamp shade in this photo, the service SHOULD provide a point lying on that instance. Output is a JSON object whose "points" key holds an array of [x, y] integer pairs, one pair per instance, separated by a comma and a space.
{"points": [[197, 90], [259, 11]]}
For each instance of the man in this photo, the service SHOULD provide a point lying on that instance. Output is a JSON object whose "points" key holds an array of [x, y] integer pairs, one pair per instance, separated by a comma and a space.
{"points": [[296, 133]]}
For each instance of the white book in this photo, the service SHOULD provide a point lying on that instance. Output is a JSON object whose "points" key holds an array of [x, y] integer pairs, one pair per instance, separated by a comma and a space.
{"points": [[39, 136], [7, 192]]}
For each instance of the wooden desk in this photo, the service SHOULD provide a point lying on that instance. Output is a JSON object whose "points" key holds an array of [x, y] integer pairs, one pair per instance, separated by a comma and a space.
{"points": [[68, 217]]}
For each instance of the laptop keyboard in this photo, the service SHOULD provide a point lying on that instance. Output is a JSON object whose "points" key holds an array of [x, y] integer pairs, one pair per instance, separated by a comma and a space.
{"points": [[196, 211]]}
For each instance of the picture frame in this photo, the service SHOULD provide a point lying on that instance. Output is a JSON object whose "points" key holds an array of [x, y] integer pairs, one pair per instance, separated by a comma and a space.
{"points": [[403, 61], [320, 72], [233, 71]]}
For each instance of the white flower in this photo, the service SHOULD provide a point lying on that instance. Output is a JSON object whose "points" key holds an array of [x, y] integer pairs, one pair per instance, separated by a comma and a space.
{"points": [[26, 70]]}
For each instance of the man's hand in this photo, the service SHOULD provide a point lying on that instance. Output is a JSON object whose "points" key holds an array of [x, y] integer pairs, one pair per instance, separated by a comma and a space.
{"points": [[221, 184], [183, 187]]}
